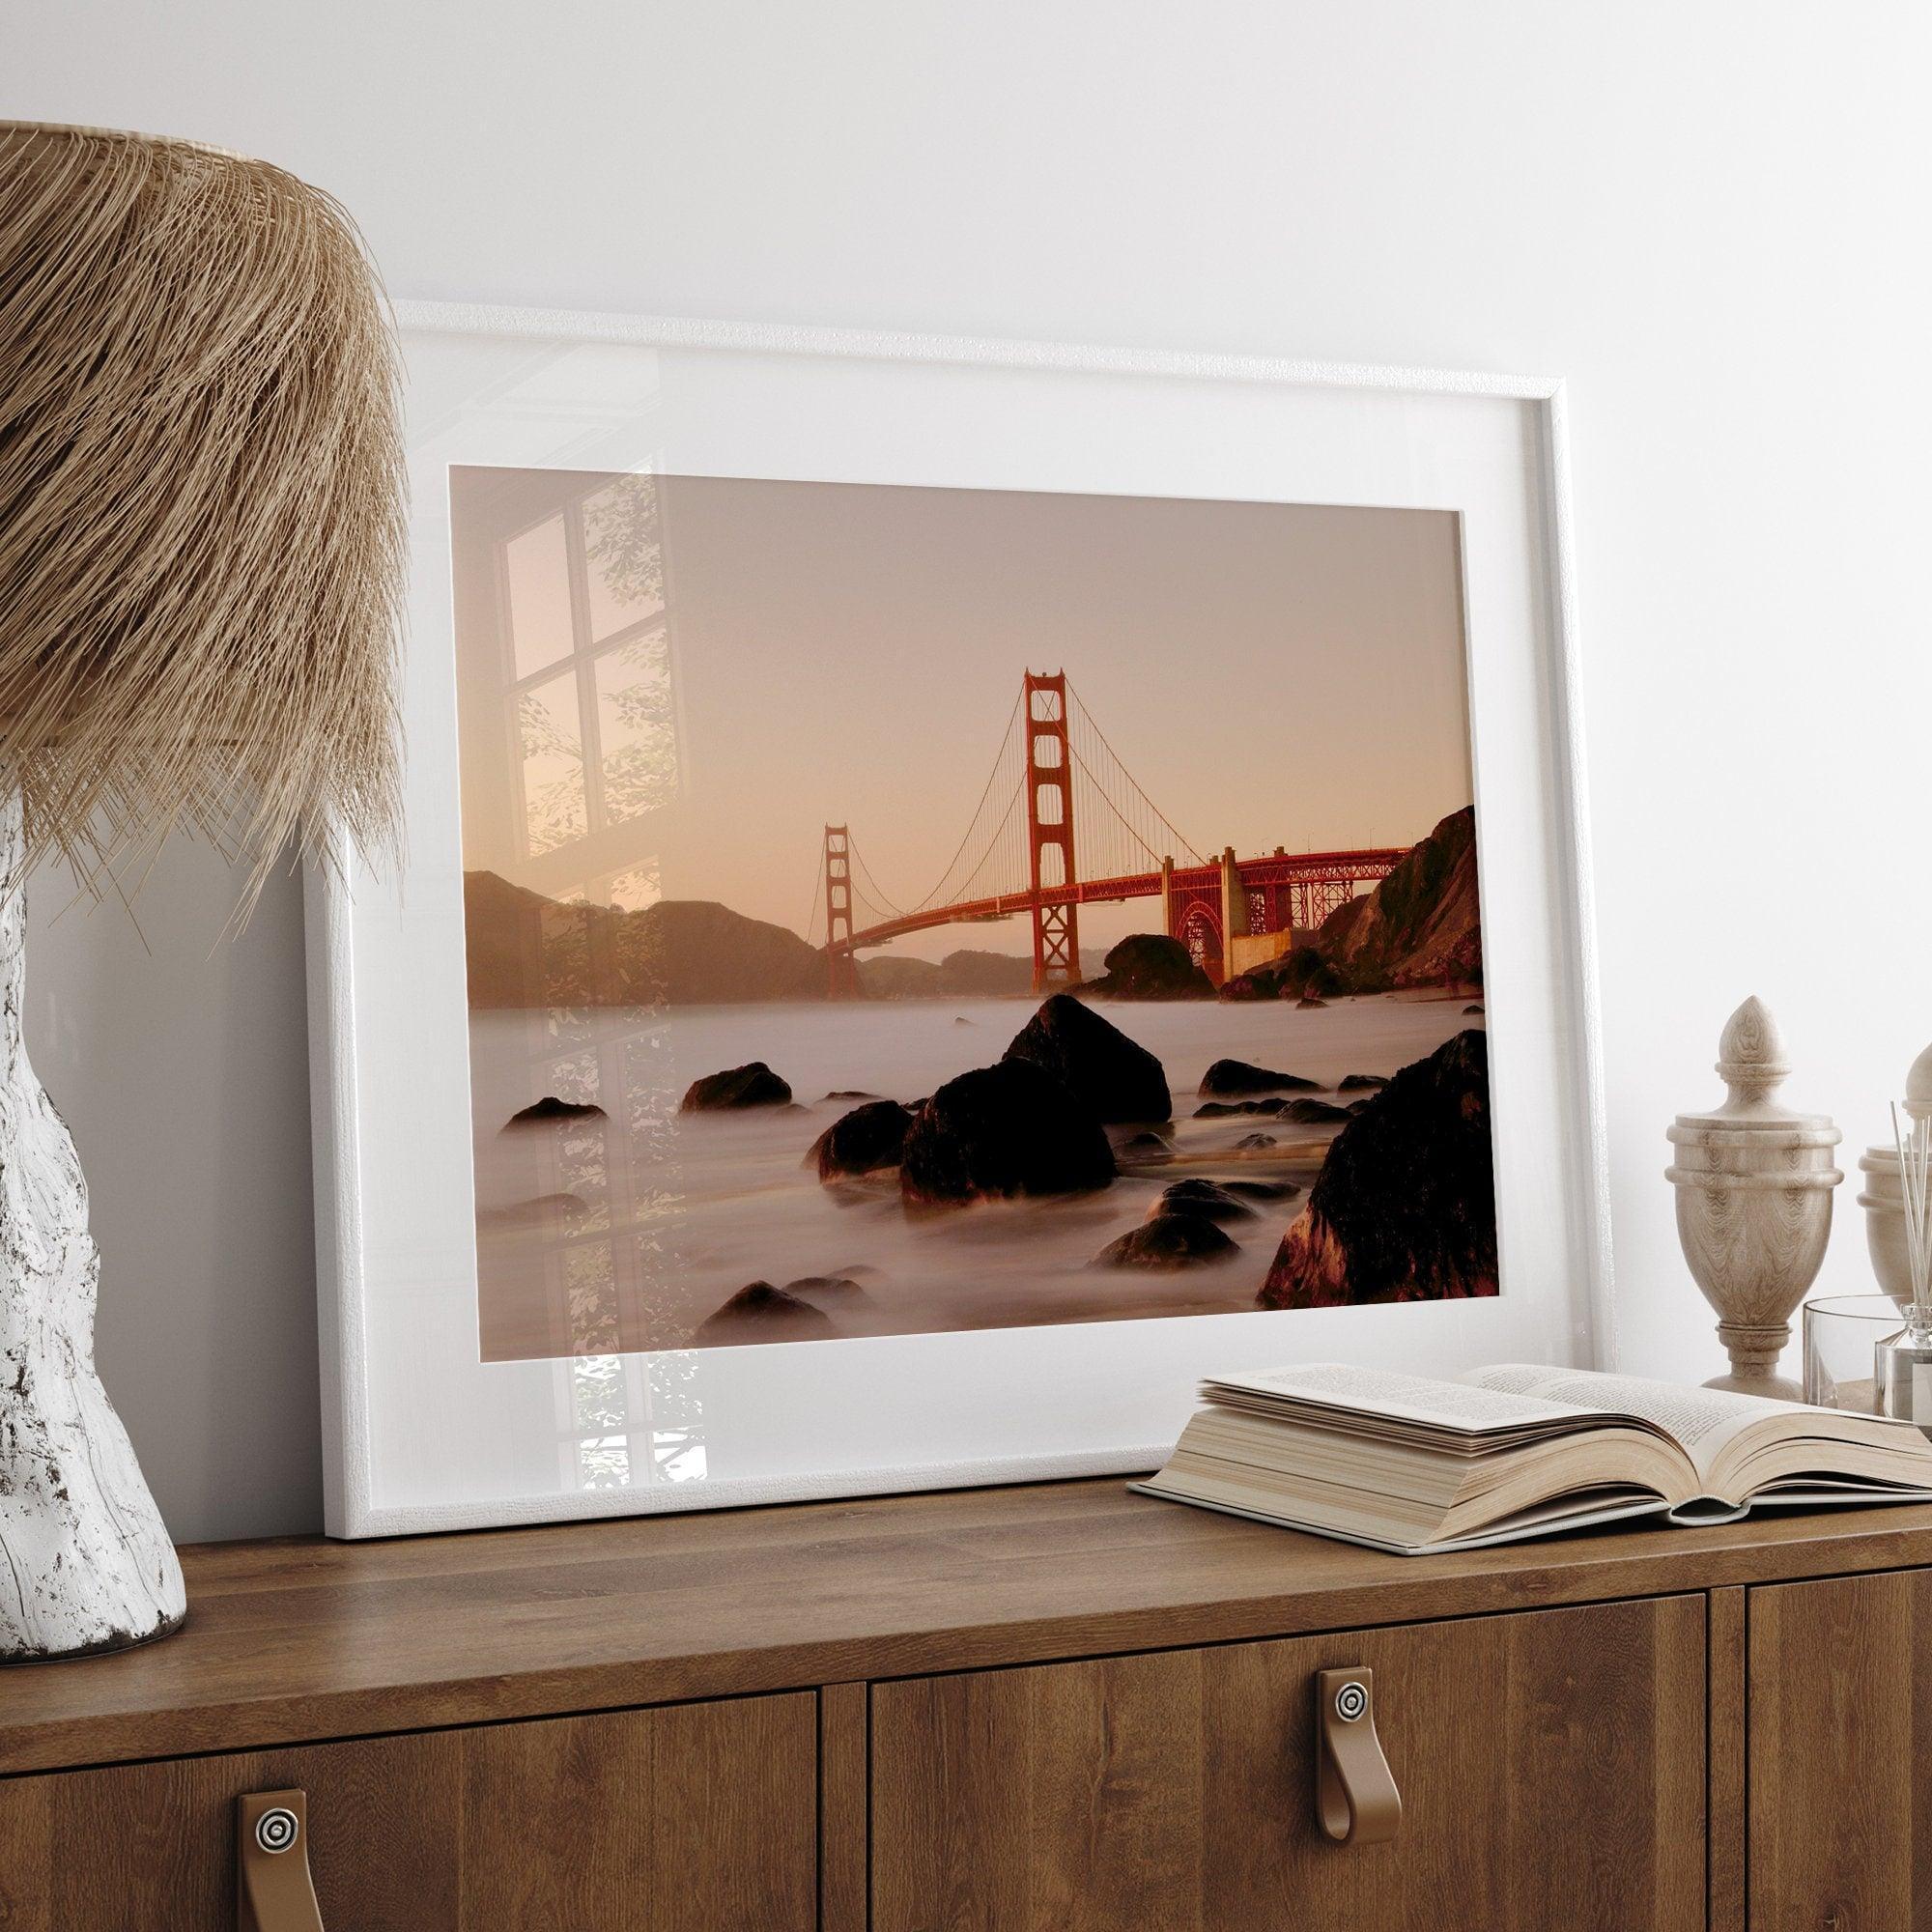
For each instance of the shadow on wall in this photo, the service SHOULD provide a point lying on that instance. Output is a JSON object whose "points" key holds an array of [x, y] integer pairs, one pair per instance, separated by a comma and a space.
{"points": [[181, 1064]]}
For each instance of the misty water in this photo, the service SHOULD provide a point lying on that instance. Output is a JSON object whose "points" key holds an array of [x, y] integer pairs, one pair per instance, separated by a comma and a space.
{"points": [[625, 1233]]}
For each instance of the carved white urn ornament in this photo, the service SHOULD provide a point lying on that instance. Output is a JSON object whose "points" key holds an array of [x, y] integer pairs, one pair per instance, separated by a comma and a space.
{"points": [[1753, 1182], [85, 1561]]}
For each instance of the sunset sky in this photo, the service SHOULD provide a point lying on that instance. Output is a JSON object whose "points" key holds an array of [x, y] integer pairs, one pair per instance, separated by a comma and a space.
{"points": [[1271, 674]]}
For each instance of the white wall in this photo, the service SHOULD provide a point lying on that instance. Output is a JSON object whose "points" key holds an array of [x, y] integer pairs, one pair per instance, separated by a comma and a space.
{"points": [[1708, 217]]}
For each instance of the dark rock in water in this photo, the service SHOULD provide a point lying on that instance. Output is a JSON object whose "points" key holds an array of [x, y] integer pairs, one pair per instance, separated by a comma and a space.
{"points": [[1360, 1083], [1115, 1076], [550, 1108], [1263, 1190], [1144, 1143], [1168, 1241], [1205, 1198], [1151, 966], [960, 1019], [1238, 1076], [761, 1313], [1474, 1009], [852, 1094], [1313, 1113], [1256, 1142], [1219, 1110], [1308, 1000], [1357, 1106], [754, 1085], [827, 1290], [1301, 971], [862, 1141], [1248, 986], [1404, 1208], [1000, 1133]]}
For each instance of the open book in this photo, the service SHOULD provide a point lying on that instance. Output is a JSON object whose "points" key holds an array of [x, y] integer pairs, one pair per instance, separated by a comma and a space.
{"points": [[1414, 1465]]}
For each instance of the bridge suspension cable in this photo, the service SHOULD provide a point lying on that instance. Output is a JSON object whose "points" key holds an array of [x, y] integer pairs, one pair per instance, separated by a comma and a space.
{"points": [[1152, 832], [865, 896], [876, 897], [1000, 864], [1119, 831]]}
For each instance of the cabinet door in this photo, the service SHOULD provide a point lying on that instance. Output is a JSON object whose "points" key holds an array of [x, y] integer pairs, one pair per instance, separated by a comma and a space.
{"points": [[1839, 1740], [1550, 1765], [692, 1818]]}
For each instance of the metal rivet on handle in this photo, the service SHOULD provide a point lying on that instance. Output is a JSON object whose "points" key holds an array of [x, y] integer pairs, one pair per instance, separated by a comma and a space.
{"points": [[1351, 1702], [276, 1830]]}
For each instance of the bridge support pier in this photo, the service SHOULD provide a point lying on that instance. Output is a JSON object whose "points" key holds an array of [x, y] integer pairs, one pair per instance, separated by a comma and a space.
{"points": [[1233, 904]]}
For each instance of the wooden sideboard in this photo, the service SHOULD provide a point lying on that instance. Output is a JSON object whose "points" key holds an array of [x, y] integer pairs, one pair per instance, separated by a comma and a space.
{"points": [[1049, 1708]]}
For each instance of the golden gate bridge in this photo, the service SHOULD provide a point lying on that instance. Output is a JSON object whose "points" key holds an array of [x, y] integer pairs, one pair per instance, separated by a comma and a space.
{"points": [[1054, 770]]}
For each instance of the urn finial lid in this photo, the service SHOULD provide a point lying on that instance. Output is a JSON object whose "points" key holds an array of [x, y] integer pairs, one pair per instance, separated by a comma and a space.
{"points": [[1751, 1056], [1751, 1063], [1919, 1087]]}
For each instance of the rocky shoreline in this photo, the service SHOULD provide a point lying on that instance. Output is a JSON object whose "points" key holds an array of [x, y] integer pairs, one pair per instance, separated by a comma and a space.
{"points": [[1400, 1204]]}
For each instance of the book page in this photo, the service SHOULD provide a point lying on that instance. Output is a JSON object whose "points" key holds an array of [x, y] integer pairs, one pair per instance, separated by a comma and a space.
{"points": [[1703, 1421], [1462, 1405]]}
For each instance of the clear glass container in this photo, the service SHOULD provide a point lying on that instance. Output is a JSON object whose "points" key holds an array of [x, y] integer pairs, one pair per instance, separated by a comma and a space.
{"points": [[1842, 1333]]}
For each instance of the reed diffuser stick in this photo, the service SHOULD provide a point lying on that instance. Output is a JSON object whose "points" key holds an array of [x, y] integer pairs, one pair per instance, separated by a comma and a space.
{"points": [[1911, 1132]]}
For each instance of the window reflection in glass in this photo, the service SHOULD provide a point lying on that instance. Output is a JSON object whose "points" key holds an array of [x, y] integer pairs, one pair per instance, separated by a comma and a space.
{"points": [[635, 732], [633, 890], [551, 740], [536, 567], [624, 555]]}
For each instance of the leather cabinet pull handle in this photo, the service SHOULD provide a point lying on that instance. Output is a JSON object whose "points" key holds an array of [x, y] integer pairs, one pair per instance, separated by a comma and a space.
{"points": [[273, 1890], [1355, 1797]]}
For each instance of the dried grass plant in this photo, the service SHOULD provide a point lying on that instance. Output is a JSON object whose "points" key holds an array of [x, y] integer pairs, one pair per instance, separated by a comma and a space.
{"points": [[201, 507]]}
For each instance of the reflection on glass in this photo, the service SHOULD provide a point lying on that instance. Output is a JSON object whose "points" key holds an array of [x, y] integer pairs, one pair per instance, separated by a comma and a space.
{"points": [[633, 890], [537, 567], [622, 545], [635, 726], [582, 1245], [552, 742], [602, 1409]]}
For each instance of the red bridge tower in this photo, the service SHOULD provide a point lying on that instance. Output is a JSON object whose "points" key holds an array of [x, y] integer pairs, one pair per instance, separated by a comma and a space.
{"points": [[841, 961], [1049, 784]]}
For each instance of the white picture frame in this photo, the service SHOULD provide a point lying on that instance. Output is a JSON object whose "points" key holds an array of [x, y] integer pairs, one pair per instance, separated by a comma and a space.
{"points": [[419, 1433]]}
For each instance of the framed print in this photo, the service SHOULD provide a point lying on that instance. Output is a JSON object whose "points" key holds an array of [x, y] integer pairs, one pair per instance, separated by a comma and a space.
{"points": [[952, 888]]}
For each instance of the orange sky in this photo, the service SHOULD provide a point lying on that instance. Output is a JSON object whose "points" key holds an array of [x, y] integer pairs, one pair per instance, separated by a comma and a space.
{"points": [[1271, 674]]}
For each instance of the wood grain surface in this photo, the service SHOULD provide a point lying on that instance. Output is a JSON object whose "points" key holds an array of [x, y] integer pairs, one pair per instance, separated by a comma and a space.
{"points": [[1728, 1780], [1841, 1739], [302, 1640], [1550, 1765], [697, 1818], [845, 1803]]}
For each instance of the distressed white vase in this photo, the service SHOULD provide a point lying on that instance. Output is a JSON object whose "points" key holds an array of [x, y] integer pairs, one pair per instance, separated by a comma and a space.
{"points": [[85, 1561], [1754, 1184]]}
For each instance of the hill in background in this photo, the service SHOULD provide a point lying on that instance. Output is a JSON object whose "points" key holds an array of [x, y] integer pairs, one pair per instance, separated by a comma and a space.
{"points": [[524, 949], [528, 951]]}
